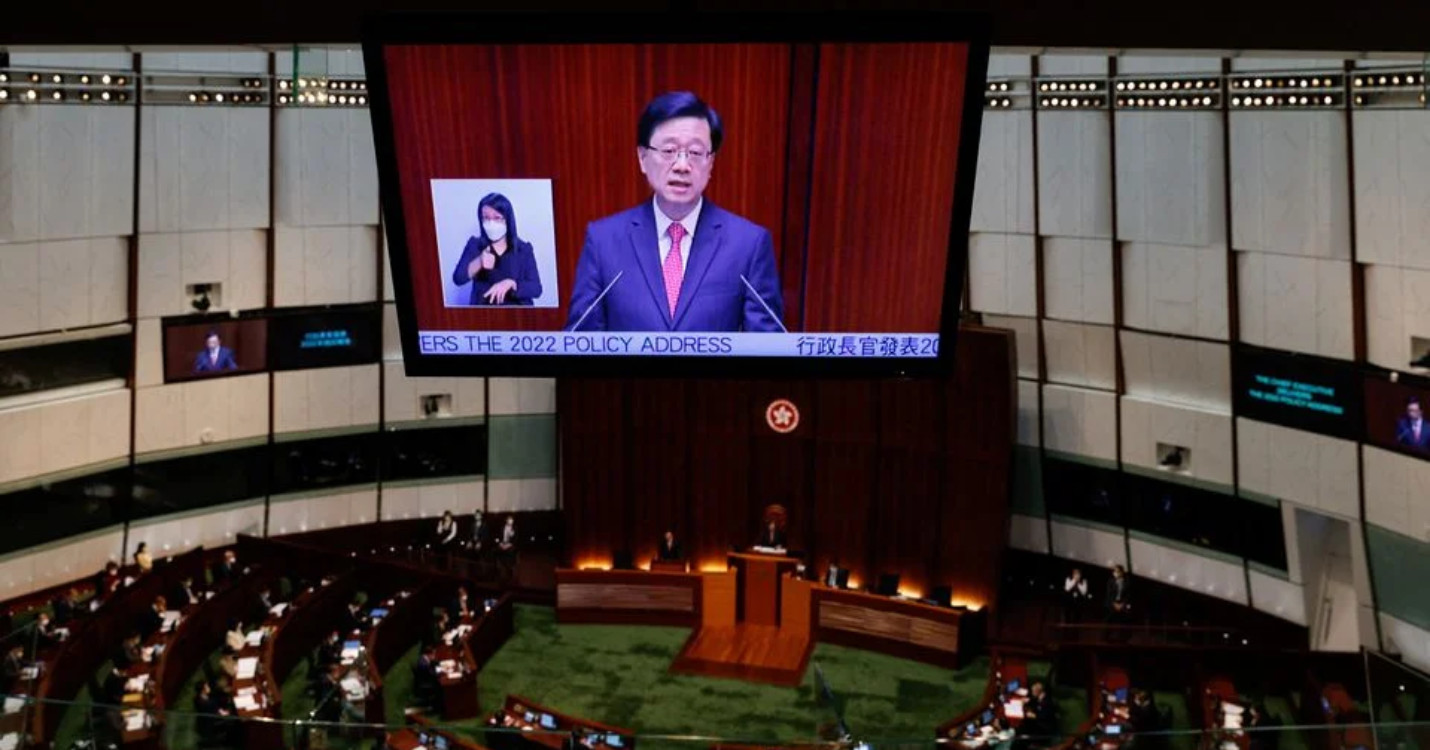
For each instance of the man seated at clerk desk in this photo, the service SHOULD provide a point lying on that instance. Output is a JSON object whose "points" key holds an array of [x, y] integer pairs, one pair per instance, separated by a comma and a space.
{"points": [[772, 539], [669, 550]]}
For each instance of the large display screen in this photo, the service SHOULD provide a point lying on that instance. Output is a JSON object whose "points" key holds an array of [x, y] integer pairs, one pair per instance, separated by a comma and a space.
{"points": [[693, 192], [1299, 391]]}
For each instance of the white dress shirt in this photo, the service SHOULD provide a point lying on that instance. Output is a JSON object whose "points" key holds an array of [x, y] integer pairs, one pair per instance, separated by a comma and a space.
{"points": [[662, 234]]}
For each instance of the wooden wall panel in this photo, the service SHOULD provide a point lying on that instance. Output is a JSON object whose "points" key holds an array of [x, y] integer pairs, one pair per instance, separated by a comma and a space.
{"points": [[719, 471]]}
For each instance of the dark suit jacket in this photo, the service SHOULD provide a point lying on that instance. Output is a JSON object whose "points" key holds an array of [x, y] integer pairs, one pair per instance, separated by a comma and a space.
{"points": [[673, 552], [225, 361], [224, 573], [127, 656], [62, 610], [1040, 716], [517, 264], [329, 654], [1405, 434], [149, 622], [179, 597], [424, 676], [348, 621], [712, 296], [767, 539], [1114, 595], [10, 670], [481, 537]]}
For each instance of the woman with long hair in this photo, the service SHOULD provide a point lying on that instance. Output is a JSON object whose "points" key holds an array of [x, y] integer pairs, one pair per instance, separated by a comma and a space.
{"points": [[500, 266]]}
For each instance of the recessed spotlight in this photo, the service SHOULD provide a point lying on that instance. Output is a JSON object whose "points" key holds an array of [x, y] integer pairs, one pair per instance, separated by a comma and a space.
{"points": [[282, 85], [34, 78], [31, 95], [57, 78], [4, 95], [120, 80], [123, 96], [193, 97], [104, 96], [4, 78], [84, 96], [218, 98], [58, 96], [105, 79]]}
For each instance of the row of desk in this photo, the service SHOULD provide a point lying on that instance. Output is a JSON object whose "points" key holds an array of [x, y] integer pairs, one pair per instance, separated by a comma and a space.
{"points": [[758, 589]]}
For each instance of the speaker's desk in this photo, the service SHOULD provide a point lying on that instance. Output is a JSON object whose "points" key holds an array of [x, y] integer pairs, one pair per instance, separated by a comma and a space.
{"points": [[758, 582]]}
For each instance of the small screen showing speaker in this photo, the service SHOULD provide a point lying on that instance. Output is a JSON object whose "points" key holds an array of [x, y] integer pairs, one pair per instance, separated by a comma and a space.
{"points": [[203, 348], [326, 338], [1395, 414]]}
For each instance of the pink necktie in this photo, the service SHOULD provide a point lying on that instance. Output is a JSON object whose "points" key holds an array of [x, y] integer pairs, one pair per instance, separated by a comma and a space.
{"points": [[672, 266]]}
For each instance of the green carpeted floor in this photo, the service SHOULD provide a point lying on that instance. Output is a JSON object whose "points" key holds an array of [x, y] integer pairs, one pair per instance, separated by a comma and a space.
{"points": [[619, 675]]}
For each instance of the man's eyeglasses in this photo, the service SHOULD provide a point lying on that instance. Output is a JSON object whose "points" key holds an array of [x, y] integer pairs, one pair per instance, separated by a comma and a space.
{"points": [[696, 157]]}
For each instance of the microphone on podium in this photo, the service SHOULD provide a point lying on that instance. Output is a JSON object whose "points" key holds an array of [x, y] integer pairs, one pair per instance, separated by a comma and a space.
{"points": [[597, 301], [763, 304]]}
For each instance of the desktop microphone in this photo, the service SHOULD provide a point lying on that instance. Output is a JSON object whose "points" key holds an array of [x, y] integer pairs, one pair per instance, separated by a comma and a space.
{"points": [[597, 301], [776, 318]]}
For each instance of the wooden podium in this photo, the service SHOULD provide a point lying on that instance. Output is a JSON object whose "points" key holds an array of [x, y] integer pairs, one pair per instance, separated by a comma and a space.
{"points": [[759, 585]]}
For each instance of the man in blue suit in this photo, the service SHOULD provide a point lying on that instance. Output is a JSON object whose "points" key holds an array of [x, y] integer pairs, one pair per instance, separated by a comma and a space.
{"points": [[677, 262], [1411, 430], [215, 357]]}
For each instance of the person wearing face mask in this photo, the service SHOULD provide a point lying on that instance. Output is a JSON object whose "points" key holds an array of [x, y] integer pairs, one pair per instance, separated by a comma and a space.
{"points": [[677, 262], [500, 266]]}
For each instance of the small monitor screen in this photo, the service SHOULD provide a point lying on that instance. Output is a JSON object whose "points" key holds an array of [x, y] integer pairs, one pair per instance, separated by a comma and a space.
{"points": [[327, 338], [800, 196], [1121, 695], [614, 740], [1395, 414], [352, 645], [1114, 729], [529, 717], [548, 721], [195, 349], [1299, 391]]}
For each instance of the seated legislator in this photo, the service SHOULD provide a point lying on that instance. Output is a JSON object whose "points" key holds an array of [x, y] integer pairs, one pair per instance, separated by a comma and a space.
{"points": [[670, 550], [461, 606], [772, 537], [676, 262], [184, 593], [152, 618], [426, 686], [129, 653]]}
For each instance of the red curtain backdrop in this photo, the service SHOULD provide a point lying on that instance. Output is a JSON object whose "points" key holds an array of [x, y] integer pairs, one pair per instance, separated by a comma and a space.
{"points": [[841, 151], [906, 476]]}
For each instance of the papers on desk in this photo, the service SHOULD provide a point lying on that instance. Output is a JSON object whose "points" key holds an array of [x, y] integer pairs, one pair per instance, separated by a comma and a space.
{"points": [[1013, 709], [13, 704], [354, 688], [208, 595], [135, 720], [247, 667], [136, 684], [351, 651], [768, 550], [277, 610], [1232, 709], [246, 701], [171, 620], [255, 638], [147, 653], [10, 741], [30, 672]]}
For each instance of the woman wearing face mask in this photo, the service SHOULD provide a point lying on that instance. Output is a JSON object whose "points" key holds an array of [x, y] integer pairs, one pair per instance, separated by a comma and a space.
{"points": [[500, 266]]}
